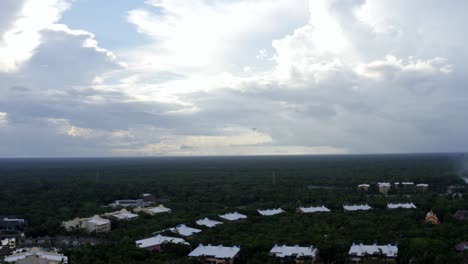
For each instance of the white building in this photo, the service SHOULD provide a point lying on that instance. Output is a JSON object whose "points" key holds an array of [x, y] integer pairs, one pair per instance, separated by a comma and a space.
{"points": [[122, 214], [270, 212], [233, 216], [363, 187], [313, 209], [401, 205], [215, 254], [294, 252], [8, 242], [154, 243], [208, 223], [358, 251], [422, 186], [384, 187], [36, 256], [153, 210], [362, 207], [95, 224], [184, 230]]}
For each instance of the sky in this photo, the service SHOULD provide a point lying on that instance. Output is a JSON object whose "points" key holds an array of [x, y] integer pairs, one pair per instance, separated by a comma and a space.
{"points": [[88, 78]]}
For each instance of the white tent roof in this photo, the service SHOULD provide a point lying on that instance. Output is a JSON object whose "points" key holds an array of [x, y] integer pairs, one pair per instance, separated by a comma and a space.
{"points": [[160, 209], [233, 216], [384, 184], [313, 209], [219, 252], [39, 253], [207, 222], [401, 205], [184, 230], [422, 185], [363, 207], [158, 240], [362, 250], [269, 212], [363, 185], [97, 220], [125, 216], [407, 183], [293, 251]]}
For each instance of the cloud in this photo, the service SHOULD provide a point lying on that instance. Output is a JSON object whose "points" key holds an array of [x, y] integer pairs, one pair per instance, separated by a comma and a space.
{"points": [[3, 118], [241, 77], [23, 36]]}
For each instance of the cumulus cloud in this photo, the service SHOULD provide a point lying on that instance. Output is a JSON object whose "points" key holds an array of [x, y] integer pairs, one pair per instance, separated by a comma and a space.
{"points": [[241, 77], [23, 36]]}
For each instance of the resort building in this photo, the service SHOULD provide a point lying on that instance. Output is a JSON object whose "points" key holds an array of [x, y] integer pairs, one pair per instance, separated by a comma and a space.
{"points": [[462, 247], [359, 252], [431, 218], [233, 216], [384, 187], [184, 230], [8, 242], [122, 214], [215, 254], [296, 253], [401, 205], [270, 212], [153, 210], [130, 203], [7, 245], [362, 207], [36, 256], [461, 215], [422, 187], [363, 187], [154, 243], [12, 223], [95, 224], [313, 209], [208, 223], [148, 198]]}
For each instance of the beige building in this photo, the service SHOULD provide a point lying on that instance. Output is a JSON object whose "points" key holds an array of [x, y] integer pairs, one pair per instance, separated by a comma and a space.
{"points": [[36, 256], [384, 187], [95, 224], [152, 210]]}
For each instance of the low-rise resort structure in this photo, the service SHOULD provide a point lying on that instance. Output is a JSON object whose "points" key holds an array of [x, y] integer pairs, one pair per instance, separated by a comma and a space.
{"points": [[401, 205], [384, 187], [208, 222], [95, 224], [313, 209], [362, 207], [233, 216], [461, 215], [215, 254], [154, 243], [431, 218], [422, 187], [270, 212], [363, 187], [295, 253], [130, 203], [359, 252], [36, 256], [122, 214], [153, 210], [184, 230], [12, 223]]}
